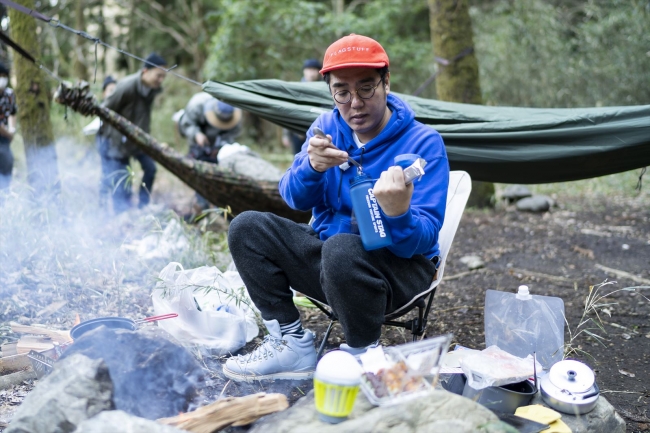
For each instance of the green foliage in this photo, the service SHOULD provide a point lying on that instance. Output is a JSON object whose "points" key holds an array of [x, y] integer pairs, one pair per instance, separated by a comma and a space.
{"points": [[590, 53], [260, 39]]}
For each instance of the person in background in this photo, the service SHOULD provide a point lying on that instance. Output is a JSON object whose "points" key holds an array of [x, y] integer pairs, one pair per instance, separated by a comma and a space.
{"points": [[133, 99], [108, 87], [208, 124], [8, 111], [310, 73], [326, 260]]}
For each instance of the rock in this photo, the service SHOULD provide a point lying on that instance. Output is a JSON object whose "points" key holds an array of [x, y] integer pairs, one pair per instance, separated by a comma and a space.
{"points": [[252, 165], [536, 203], [603, 419], [77, 389], [119, 421], [440, 411], [512, 193], [153, 377], [472, 262]]}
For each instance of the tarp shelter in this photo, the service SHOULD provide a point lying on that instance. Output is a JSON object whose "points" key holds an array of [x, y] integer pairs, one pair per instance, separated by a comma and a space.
{"points": [[495, 144]]}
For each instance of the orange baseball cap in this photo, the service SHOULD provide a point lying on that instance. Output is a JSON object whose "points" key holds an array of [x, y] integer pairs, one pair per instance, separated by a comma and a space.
{"points": [[354, 51]]}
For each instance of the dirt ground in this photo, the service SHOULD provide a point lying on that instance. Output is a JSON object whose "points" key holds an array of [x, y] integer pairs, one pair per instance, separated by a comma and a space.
{"points": [[557, 254]]}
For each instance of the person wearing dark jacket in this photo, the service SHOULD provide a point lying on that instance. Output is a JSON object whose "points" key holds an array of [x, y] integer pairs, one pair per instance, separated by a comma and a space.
{"points": [[133, 99], [326, 260], [7, 127]]}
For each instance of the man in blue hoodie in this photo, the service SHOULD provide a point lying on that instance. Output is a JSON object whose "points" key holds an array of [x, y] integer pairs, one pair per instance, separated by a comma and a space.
{"points": [[326, 260]]}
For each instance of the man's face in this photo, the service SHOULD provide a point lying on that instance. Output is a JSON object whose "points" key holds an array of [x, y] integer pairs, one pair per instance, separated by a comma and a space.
{"points": [[366, 117], [108, 91], [311, 74], [153, 78]]}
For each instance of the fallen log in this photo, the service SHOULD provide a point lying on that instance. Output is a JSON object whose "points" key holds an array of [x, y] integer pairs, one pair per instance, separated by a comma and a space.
{"points": [[235, 411], [17, 378], [220, 186], [14, 363]]}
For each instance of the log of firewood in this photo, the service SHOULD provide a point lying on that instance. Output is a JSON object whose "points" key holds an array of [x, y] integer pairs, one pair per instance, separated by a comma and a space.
{"points": [[9, 380], [56, 335], [229, 411], [11, 364]]}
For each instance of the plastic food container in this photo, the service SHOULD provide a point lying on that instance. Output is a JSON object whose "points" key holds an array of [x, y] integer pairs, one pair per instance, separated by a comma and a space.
{"points": [[419, 362]]}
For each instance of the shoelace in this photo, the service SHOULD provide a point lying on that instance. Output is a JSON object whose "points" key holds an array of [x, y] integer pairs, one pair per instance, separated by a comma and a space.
{"points": [[264, 350]]}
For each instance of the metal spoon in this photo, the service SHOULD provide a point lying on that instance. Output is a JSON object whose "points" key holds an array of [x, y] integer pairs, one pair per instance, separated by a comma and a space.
{"points": [[319, 133]]}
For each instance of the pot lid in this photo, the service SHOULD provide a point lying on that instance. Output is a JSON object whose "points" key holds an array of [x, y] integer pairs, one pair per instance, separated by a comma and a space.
{"points": [[573, 376]]}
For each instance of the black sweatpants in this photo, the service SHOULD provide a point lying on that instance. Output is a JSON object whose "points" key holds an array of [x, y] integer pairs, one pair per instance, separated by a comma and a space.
{"points": [[273, 253]]}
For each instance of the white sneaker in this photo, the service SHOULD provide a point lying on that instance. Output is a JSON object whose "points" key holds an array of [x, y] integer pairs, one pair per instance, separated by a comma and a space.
{"points": [[277, 357]]}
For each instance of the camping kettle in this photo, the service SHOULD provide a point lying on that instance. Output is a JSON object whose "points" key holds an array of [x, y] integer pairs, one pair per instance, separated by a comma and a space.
{"points": [[570, 387]]}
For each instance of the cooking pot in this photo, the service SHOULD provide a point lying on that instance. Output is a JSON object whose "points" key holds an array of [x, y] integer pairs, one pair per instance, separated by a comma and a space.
{"points": [[570, 387], [115, 323], [505, 398]]}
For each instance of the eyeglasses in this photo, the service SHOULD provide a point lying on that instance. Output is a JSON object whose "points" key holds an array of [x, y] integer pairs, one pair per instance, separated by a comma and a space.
{"points": [[364, 92]]}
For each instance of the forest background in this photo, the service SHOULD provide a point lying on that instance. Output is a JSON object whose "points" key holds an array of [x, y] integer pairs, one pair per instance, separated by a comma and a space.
{"points": [[533, 53]]}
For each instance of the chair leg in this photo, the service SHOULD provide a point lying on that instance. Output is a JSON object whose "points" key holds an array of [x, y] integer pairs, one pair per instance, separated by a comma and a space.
{"points": [[419, 325], [325, 338]]}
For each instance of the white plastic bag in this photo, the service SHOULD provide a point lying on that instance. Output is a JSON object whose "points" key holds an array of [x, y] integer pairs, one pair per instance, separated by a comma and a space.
{"points": [[213, 308], [495, 367]]}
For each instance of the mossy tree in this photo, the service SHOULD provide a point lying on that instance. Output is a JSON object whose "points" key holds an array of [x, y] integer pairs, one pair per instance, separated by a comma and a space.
{"points": [[33, 98], [458, 81], [80, 68]]}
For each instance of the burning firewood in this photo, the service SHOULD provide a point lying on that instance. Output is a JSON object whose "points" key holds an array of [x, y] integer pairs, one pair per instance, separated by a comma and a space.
{"points": [[234, 411]]}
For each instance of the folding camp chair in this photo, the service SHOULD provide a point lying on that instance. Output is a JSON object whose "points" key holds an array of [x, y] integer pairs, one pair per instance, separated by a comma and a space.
{"points": [[460, 185]]}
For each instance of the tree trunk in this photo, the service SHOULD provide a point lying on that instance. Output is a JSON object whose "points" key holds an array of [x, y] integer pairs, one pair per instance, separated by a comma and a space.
{"points": [[80, 69], [132, 38], [33, 99], [458, 81]]}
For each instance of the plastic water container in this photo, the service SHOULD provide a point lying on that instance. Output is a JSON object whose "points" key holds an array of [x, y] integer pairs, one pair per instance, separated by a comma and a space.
{"points": [[372, 228], [522, 324]]}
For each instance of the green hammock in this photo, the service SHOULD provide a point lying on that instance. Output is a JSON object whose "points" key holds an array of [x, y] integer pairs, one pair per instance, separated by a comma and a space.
{"points": [[495, 144]]}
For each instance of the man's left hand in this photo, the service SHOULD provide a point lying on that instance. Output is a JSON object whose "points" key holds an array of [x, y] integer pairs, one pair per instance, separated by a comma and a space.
{"points": [[392, 195]]}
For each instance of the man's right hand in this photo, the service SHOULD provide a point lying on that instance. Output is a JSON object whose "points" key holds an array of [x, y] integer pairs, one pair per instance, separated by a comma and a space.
{"points": [[201, 139], [323, 155]]}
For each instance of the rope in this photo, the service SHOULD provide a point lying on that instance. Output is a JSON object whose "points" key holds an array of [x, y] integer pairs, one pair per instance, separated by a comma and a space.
{"points": [[639, 183]]}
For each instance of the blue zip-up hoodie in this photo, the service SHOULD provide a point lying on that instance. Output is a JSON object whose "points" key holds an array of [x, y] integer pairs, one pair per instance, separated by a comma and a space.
{"points": [[328, 194]]}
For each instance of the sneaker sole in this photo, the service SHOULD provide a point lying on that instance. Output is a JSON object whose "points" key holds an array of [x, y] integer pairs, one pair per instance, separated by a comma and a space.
{"points": [[290, 375]]}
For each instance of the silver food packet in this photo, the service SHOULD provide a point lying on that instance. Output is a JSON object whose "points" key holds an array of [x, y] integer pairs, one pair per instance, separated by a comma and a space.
{"points": [[414, 171]]}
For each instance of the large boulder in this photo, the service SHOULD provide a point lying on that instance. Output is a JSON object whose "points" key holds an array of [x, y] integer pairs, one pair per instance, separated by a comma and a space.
{"points": [[77, 389], [153, 377], [439, 411]]}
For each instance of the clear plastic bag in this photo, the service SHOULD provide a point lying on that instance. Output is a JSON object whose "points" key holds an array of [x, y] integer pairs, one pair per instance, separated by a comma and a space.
{"points": [[496, 367], [213, 308], [523, 324]]}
